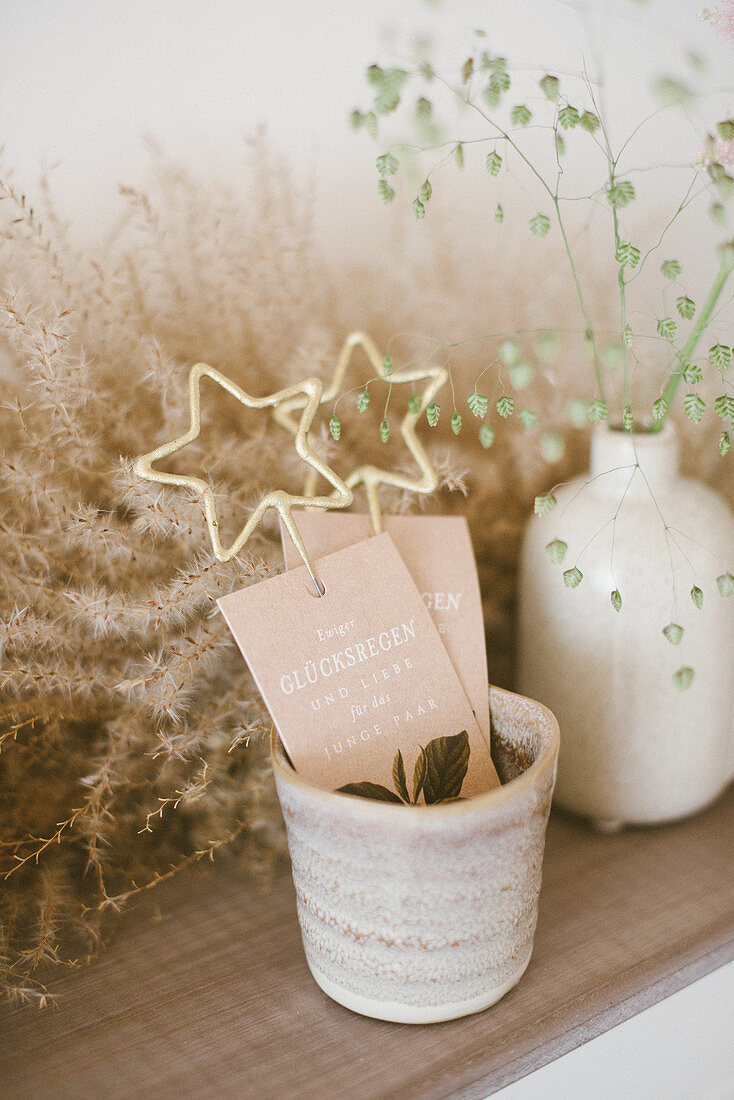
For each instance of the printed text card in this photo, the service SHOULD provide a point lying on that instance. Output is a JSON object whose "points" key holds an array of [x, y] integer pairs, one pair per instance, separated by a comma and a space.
{"points": [[359, 674]]}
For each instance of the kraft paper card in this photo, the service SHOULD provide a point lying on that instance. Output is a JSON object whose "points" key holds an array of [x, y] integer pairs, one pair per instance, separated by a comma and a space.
{"points": [[440, 558], [358, 682]]}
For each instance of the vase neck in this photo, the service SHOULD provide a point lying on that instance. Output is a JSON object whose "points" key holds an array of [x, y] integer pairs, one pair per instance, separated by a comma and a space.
{"points": [[616, 455]]}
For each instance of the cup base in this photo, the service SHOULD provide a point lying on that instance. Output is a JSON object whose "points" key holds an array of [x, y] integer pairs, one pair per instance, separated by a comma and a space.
{"points": [[396, 1012]]}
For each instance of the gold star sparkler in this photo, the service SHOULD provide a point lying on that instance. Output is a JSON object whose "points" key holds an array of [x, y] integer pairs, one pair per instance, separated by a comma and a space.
{"points": [[373, 476], [308, 394]]}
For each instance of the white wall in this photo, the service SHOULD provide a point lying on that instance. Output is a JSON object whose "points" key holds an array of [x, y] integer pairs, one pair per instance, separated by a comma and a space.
{"points": [[81, 82]]}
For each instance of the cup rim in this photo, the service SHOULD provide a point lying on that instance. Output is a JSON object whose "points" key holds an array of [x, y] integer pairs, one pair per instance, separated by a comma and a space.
{"points": [[496, 797]]}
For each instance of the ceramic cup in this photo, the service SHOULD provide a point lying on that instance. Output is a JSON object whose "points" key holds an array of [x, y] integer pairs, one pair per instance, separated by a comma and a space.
{"points": [[418, 914]]}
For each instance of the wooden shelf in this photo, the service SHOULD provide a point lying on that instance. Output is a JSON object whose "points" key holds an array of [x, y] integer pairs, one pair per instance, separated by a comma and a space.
{"points": [[205, 991]]}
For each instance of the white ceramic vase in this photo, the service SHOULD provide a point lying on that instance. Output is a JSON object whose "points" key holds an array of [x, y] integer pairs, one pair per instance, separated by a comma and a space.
{"points": [[417, 914], [635, 749]]}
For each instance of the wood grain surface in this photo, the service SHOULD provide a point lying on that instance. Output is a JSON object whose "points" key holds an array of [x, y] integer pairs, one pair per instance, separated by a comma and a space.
{"points": [[205, 991]]}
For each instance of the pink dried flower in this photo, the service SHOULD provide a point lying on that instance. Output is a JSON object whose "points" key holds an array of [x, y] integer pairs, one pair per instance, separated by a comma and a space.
{"points": [[721, 17], [716, 151]]}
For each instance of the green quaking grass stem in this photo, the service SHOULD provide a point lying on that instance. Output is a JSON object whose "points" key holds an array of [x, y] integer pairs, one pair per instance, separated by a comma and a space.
{"points": [[725, 270]]}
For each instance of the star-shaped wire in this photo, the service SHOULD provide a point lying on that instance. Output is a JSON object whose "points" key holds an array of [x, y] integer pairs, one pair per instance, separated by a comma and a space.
{"points": [[308, 394], [372, 476]]}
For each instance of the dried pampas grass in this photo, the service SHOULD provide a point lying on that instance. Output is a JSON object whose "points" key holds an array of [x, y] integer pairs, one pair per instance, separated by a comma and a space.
{"points": [[132, 738]]}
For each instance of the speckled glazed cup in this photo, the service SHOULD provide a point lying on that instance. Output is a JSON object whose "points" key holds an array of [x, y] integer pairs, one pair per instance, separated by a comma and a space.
{"points": [[418, 914]]}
